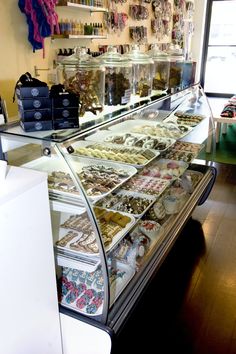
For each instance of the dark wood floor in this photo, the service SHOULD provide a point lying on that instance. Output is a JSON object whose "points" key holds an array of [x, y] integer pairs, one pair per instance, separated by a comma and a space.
{"points": [[190, 306]]}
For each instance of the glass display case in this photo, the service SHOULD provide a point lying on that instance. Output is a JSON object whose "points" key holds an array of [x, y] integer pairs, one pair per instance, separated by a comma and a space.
{"points": [[120, 191]]}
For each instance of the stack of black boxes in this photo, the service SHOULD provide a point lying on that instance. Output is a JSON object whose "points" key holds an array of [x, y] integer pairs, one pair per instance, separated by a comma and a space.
{"points": [[34, 107], [65, 109], [42, 109]]}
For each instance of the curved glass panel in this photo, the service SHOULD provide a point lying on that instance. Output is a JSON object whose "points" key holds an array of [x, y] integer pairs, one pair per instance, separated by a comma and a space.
{"points": [[119, 194]]}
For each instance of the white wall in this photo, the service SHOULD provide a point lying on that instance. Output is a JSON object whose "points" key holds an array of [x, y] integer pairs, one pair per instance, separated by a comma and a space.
{"points": [[17, 56]]}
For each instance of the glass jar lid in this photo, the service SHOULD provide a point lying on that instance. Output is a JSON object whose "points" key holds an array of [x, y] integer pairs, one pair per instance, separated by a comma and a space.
{"points": [[80, 58], [138, 57], [113, 58], [175, 52], [155, 53]]}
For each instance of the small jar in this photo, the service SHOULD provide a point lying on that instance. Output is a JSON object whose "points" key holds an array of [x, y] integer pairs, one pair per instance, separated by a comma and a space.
{"points": [[142, 71], [84, 76], [118, 77], [176, 68], [161, 71]]}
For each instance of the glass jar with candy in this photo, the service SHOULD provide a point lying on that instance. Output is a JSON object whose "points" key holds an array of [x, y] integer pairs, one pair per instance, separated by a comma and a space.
{"points": [[118, 77], [84, 76], [142, 71]]}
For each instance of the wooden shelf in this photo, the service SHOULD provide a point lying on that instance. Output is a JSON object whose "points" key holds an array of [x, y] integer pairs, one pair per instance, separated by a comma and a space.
{"points": [[77, 36], [85, 7]]}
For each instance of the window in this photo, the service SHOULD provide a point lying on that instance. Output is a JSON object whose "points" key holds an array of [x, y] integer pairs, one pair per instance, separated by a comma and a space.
{"points": [[218, 75]]}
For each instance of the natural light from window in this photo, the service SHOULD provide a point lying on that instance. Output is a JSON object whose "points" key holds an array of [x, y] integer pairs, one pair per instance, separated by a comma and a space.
{"points": [[220, 75]]}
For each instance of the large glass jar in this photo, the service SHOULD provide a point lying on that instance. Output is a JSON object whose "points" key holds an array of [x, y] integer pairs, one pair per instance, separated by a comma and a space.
{"points": [[176, 68], [189, 72], [161, 69], [142, 71], [118, 77], [85, 77]]}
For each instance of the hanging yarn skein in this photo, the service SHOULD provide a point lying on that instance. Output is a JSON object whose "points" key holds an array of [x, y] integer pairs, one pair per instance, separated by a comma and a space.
{"points": [[42, 21]]}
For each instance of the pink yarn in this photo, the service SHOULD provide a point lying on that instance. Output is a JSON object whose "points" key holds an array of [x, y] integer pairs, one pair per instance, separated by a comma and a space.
{"points": [[48, 8]]}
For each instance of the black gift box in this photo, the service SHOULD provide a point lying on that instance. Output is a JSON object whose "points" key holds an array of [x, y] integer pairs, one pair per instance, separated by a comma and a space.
{"points": [[34, 103], [65, 100], [66, 113], [32, 92], [35, 115], [66, 123], [36, 126]]}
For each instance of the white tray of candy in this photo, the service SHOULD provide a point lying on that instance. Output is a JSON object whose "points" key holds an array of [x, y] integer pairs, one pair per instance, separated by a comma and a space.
{"points": [[179, 155], [83, 291], [188, 147], [184, 118], [158, 129], [122, 232], [165, 169], [60, 181], [146, 185], [68, 231], [132, 139], [70, 238], [121, 154], [99, 178], [117, 201]]}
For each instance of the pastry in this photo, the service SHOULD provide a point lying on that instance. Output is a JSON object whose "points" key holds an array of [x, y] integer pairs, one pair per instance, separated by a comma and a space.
{"points": [[150, 228]]}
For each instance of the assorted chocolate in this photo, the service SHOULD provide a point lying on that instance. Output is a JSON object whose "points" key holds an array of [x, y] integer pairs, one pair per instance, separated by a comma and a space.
{"points": [[146, 142], [128, 155], [81, 237], [61, 181], [117, 89], [147, 185], [99, 179], [165, 130], [128, 203], [186, 146], [179, 155], [165, 169], [188, 118]]}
